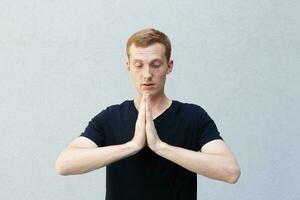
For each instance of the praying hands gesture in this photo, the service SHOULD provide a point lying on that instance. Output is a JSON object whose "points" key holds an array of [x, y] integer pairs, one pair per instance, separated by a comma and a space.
{"points": [[145, 132]]}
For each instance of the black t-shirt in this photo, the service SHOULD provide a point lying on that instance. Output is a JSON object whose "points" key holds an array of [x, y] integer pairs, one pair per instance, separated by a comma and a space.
{"points": [[147, 175]]}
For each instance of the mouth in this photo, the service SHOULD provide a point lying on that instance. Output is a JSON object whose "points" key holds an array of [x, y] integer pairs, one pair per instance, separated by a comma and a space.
{"points": [[148, 85]]}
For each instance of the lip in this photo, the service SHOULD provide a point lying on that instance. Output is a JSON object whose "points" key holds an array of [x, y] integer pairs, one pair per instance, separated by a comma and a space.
{"points": [[148, 84]]}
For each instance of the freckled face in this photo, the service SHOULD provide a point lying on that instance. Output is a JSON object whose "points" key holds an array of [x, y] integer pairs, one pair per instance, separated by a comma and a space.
{"points": [[148, 68]]}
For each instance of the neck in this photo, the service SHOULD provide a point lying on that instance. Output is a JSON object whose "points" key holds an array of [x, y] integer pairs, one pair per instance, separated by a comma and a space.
{"points": [[158, 102]]}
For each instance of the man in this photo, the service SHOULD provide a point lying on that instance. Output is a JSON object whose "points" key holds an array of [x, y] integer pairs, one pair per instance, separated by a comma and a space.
{"points": [[153, 147]]}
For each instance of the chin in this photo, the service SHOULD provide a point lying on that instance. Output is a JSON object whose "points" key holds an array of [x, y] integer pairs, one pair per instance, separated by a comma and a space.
{"points": [[146, 92]]}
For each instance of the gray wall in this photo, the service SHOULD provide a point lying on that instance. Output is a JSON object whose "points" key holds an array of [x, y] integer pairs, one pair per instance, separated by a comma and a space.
{"points": [[61, 62]]}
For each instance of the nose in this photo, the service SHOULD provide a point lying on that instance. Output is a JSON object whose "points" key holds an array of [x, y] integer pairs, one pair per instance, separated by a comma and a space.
{"points": [[147, 72]]}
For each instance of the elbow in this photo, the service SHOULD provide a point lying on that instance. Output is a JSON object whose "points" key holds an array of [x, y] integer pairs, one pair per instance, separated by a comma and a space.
{"points": [[233, 174], [61, 168], [65, 167]]}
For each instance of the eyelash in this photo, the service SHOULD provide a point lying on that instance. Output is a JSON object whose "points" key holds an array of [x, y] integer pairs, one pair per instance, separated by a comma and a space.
{"points": [[139, 66], [158, 65]]}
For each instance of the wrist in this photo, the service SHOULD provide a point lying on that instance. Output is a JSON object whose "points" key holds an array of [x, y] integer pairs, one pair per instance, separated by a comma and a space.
{"points": [[159, 147], [133, 146]]}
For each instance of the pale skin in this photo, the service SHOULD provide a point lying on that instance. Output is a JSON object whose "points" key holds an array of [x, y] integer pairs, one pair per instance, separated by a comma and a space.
{"points": [[149, 65]]}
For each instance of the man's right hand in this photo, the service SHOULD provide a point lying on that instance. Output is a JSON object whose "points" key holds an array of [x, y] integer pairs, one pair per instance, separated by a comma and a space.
{"points": [[83, 155], [139, 138]]}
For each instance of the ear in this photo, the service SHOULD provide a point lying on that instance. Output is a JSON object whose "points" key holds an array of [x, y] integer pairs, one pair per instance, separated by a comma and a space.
{"points": [[128, 65], [170, 66]]}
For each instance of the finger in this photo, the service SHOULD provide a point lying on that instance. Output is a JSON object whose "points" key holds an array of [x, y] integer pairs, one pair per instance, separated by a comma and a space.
{"points": [[142, 109], [148, 109]]}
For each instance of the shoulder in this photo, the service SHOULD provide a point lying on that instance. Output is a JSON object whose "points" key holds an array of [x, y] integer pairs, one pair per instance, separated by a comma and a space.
{"points": [[190, 108], [115, 109], [110, 112]]}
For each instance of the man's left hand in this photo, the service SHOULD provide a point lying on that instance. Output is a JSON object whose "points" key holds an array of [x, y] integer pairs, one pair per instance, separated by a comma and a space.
{"points": [[153, 139]]}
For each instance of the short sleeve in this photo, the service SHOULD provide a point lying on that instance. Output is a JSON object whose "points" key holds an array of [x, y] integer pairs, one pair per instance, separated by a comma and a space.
{"points": [[207, 129], [95, 129]]}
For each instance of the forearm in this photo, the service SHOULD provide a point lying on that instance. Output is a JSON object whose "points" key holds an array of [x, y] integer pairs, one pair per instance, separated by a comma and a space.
{"points": [[220, 167], [75, 160]]}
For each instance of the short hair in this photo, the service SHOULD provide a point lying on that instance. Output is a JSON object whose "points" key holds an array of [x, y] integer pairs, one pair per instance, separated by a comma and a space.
{"points": [[147, 37]]}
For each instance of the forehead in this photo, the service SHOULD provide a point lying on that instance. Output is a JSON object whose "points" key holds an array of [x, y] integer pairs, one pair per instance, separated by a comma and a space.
{"points": [[154, 51]]}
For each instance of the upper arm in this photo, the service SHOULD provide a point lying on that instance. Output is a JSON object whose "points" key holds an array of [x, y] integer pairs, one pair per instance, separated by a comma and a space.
{"points": [[217, 147], [82, 142], [95, 131], [207, 130]]}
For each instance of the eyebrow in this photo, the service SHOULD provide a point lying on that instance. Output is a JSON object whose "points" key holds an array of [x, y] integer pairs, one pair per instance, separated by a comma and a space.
{"points": [[154, 60]]}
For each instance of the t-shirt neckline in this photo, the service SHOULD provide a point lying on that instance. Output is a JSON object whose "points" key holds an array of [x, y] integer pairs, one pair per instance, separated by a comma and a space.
{"points": [[159, 117]]}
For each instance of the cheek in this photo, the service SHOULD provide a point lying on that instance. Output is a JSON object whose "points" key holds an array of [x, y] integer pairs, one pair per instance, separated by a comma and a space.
{"points": [[135, 74], [160, 73], [157, 73]]}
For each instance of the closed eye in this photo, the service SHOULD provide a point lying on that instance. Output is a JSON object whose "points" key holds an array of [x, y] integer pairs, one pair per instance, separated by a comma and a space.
{"points": [[156, 65], [138, 65]]}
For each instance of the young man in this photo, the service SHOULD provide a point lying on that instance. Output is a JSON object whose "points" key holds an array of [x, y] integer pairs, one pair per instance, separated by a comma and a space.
{"points": [[153, 147]]}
